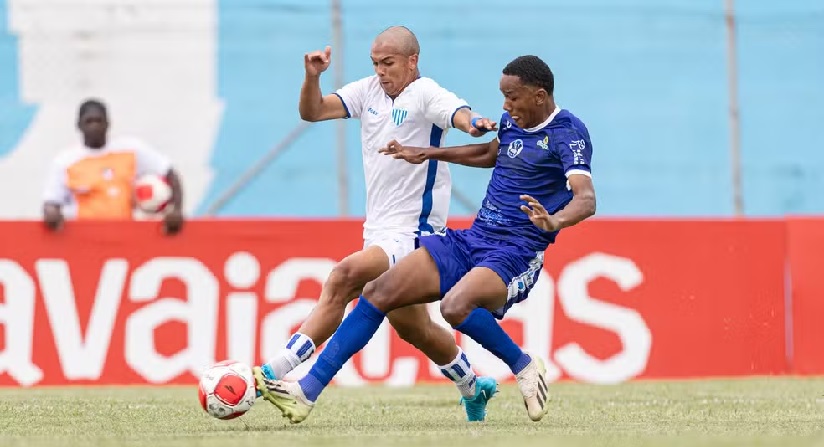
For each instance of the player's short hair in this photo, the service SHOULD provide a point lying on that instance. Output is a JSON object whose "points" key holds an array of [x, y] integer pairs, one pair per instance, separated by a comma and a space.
{"points": [[91, 104], [531, 70], [406, 40]]}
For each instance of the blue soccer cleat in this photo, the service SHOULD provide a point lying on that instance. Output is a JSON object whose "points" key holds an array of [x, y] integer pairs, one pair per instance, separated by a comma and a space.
{"points": [[485, 388]]}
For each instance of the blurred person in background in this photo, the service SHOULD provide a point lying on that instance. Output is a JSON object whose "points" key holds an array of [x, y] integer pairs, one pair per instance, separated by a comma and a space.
{"points": [[94, 180]]}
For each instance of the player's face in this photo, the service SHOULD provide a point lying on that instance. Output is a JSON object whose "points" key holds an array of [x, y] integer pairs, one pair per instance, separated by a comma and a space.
{"points": [[524, 103], [94, 125], [395, 70]]}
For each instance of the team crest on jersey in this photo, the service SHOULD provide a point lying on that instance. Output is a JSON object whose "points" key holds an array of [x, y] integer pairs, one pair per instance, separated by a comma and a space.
{"points": [[398, 115], [544, 144], [515, 148]]}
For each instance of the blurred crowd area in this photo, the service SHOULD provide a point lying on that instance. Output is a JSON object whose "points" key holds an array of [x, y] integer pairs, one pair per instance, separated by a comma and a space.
{"points": [[214, 84]]}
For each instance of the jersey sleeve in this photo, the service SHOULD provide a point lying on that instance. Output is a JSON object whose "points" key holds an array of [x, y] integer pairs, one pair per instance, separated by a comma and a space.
{"points": [[353, 97], [150, 160], [440, 105], [575, 152], [56, 189]]}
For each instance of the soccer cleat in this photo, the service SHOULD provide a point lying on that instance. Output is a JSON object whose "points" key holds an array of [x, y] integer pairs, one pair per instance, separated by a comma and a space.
{"points": [[287, 396], [267, 373], [533, 386], [485, 388]]}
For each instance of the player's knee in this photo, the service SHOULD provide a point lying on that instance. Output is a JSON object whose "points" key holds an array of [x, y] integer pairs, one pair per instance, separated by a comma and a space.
{"points": [[455, 310], [344, 282], [380, 293]]}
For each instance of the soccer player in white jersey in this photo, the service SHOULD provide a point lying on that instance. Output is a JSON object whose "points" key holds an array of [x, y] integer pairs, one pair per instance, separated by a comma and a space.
{"points": [[403, 202]]}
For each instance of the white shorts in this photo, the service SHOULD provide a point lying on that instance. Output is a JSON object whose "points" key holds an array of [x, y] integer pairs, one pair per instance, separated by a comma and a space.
{"points": [[395, 245]]}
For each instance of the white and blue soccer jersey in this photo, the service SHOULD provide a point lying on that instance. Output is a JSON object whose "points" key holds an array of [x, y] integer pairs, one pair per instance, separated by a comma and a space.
{"points": [[536, 162], [402, 198]]}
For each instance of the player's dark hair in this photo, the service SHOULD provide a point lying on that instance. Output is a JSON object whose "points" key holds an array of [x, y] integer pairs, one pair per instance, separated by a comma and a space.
{"points": [[91, 104], [531, 70]]}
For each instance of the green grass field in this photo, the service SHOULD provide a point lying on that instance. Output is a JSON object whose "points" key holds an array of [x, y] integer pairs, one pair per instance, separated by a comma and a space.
{"points": [[767, 412]]}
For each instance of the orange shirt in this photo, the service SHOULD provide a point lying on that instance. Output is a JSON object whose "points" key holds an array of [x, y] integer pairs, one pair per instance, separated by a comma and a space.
{"points": [[98, 183]]}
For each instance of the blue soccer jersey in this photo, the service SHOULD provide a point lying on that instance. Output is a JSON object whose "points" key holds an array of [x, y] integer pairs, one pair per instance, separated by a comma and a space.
{"points": [[536, 162]]}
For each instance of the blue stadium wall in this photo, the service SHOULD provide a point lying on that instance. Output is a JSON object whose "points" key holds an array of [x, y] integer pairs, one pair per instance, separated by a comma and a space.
{"points": [[648, 77]]}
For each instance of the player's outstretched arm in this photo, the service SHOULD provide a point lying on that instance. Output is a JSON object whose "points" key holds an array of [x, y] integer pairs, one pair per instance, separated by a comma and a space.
{"points": [[313, 105], [482, 155], [579, 208], [472, 123]]}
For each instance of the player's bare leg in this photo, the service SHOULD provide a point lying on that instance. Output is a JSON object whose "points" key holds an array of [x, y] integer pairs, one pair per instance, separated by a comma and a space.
{"points": [[467, 307], [414, 280], [344, 283], [413, 325]]}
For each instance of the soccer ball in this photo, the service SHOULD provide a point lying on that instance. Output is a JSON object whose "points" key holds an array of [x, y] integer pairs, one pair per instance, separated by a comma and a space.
{"points": [[152, 193], [227, 390]]}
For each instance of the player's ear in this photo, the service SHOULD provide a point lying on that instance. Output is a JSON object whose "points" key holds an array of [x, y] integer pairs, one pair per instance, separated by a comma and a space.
{"points": [[540, 96], [413, 61]]}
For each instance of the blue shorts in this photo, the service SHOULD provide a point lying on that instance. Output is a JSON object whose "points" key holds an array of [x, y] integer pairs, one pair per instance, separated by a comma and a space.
{"points": [[456, 252]]}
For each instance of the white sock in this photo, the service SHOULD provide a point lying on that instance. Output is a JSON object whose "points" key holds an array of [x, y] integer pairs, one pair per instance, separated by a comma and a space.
{"points": [[297, 351], [460, 372]]}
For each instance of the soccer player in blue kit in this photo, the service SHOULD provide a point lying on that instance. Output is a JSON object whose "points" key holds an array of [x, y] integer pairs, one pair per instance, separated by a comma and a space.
{"points": [[540, 184]]}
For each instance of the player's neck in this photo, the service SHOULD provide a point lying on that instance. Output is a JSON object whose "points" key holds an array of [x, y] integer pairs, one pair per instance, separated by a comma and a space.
{"points": [[414, 77], [549, 109]]}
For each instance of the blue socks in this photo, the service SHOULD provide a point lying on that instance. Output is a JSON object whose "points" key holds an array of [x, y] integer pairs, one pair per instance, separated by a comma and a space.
{"points": [[481, 326], [358, 328], [353, 334]]}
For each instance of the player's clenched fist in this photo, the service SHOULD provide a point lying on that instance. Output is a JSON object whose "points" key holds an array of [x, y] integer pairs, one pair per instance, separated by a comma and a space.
{"points": [[317, 62]]}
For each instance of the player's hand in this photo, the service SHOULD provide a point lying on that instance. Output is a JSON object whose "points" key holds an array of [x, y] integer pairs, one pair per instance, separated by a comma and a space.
{"points": [[53, 219], [482, 126], [414, 155], [317, 62], [539, 215], [173, 222]]}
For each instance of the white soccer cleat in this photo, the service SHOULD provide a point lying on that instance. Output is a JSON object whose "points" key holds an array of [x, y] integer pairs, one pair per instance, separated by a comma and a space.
{"points": [[290, 399], [533, 386]]}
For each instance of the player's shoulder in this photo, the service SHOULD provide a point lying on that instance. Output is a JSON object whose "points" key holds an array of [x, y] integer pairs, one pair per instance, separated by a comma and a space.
{"points": [[426, 82], [424, 85], [565, 118], [567, 128]]}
